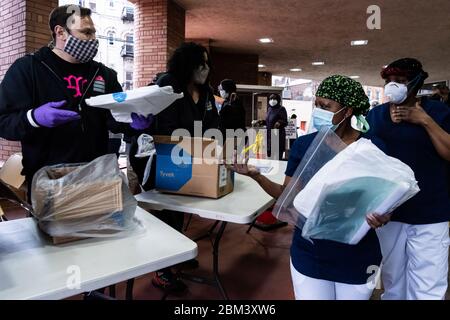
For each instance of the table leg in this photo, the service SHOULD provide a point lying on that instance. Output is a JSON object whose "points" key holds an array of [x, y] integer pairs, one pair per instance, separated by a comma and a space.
{"points": [[208, 234], [251, 226], [216, 260], [129, 291], [216, 282], [188, 222], [112, 291], [96, 295]]}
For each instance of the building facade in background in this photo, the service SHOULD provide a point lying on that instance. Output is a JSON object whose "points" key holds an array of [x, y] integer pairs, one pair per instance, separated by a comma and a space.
{"points": [[114, 21]]}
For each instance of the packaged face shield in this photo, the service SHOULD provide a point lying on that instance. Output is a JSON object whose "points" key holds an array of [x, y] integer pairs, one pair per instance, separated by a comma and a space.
{"points": [[146, 148], [335, 187], [142, 101]]}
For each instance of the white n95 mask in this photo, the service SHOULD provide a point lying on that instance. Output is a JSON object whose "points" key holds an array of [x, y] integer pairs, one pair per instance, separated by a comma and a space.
{"points": [[396, 92], [273, 102]]}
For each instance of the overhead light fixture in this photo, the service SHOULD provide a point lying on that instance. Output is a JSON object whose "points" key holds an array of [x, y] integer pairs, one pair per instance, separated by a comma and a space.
{"points": [[295, 69], [318, 63], [359, 42], [354, 77], [266, 40], [261, 65]]}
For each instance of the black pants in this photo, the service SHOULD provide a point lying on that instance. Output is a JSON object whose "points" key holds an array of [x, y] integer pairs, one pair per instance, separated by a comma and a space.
{"points": [[173, 219]]}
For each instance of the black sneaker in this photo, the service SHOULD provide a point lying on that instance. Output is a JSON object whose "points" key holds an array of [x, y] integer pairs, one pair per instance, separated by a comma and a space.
{"points": [[169, 283]]}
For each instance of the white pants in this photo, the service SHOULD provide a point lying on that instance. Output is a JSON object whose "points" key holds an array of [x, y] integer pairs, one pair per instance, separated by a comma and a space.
{"points": [[306, 288], [415, 261]]}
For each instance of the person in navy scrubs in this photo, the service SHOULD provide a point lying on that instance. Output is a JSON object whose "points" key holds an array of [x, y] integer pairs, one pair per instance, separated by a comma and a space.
{"points": [[324, 269], [415, 131]]}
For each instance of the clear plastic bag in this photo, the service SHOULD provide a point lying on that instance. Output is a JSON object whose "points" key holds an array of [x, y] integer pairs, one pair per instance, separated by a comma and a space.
{"points": [[84, 200], [339, 192], [146, 148]]}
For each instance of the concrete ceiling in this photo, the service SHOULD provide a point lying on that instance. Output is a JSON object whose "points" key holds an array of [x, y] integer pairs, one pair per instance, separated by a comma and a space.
{"points": [[321, 30]]}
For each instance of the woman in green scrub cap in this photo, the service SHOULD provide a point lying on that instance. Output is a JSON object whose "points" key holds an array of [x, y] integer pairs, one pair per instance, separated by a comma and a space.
{"points": [[324, 269]]}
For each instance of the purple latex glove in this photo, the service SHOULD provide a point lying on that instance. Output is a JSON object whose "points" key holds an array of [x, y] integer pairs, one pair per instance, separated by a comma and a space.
{"points": [[49, 115], [141, 122]]}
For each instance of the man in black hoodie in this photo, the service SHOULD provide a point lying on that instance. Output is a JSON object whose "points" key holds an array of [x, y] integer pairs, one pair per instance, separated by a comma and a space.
{"points": [[42, 97]]}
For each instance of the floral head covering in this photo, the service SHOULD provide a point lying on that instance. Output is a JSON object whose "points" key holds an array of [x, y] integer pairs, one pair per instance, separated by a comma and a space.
{"points": [[347, 92]]}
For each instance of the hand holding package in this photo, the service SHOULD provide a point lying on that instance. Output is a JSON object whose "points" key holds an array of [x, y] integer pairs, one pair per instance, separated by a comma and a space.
{"points": [[360, 180]]}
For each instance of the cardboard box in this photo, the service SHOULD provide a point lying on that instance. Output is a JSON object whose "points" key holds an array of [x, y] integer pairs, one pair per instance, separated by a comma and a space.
{"points": [[191, 166], [13, 186], [12, 199]]}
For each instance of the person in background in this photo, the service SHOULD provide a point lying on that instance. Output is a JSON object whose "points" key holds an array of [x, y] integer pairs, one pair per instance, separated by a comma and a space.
{"points": [[293, 122], [188, 72], [42, 97], [415, 131], [276, 119], [441, 93], [232, 113], [324, 269]]}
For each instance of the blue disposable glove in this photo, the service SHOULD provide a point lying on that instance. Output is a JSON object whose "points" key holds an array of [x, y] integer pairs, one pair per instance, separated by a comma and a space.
{"points": [[50, 115], [141, 122]]}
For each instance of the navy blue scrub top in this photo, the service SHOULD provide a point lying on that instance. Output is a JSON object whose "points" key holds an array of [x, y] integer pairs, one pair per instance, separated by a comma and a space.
{"points": [[411, 144], [326, 259]]}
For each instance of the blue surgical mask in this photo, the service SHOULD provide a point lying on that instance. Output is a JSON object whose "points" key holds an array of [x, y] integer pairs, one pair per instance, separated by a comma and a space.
{"points": [[322, 118]]}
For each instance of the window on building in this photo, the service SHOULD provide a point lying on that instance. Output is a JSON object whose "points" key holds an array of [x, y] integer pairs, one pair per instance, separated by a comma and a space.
{"points": [[128, 47], [369, 94], [111, 37], [129, 76], [130, 39], [111, 3], [93, 5]]}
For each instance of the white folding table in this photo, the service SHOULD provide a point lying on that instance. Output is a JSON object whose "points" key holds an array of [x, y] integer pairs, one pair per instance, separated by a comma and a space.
{"points": [[32, 268], [242, 206]]}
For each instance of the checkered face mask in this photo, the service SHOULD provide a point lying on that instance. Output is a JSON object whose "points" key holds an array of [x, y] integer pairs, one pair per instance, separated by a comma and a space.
{"points": [[82, 50]]}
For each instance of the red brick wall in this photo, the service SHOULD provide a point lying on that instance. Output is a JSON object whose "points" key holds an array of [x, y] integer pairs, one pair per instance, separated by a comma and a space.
{"points": [[37, 30], [23, 29], [12, 33], [159, 30]]}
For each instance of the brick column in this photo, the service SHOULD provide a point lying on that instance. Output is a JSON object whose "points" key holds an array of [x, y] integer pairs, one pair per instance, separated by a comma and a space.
{"points": [[23, 29], [159, 30]]}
